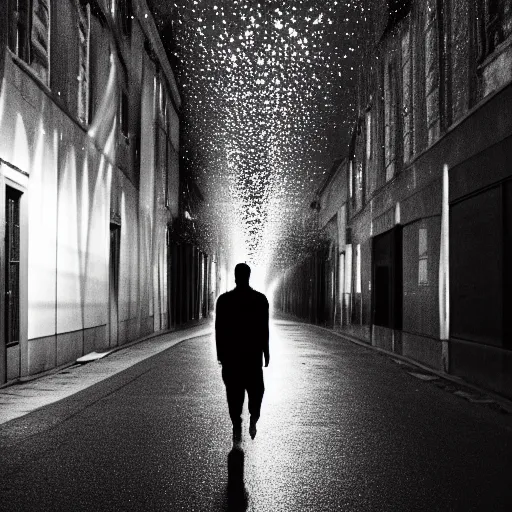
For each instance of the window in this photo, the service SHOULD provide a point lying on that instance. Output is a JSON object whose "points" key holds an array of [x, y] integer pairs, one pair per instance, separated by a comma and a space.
{"points": [[19, 29], [407, 97], [84, 29], [419, 120], [390, 117], [497, 24], [40, 38], [432, 93], [423, 257], [29, 34]]}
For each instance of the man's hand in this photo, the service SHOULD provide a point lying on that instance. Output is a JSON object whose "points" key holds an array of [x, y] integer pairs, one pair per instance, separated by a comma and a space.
{"points": [[267, 360], [219, 362]]}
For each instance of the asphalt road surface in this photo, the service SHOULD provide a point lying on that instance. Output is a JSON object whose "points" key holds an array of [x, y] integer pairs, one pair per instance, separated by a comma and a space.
{"points": [[343, 428]]}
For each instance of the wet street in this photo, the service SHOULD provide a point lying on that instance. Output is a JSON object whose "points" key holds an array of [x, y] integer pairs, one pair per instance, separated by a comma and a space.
{"points": [[343, 427]]}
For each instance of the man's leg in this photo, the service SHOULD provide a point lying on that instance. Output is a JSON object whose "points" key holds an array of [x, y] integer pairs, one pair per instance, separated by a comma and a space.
{"points": [[235, 394], [255, 389]]}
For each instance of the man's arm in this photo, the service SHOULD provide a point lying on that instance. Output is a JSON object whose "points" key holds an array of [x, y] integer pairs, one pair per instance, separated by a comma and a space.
{"points": [[265, 333], [219, 329]]}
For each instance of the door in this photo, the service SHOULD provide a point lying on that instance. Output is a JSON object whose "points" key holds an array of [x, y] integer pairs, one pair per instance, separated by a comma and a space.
{"points": [[387, 285], [115, 239], [12, 279]]}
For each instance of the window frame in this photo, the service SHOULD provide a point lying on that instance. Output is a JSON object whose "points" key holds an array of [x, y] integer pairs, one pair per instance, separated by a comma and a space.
{"points": [[14, 32], [31, 43]]}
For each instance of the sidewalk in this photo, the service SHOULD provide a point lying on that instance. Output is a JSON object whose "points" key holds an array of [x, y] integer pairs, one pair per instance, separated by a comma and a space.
{"points": [[24, 397]]}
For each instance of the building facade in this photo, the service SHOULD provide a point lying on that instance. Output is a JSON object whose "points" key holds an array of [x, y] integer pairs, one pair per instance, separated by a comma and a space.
{"points": [[314, 289], [430, 187], [89, 179]]}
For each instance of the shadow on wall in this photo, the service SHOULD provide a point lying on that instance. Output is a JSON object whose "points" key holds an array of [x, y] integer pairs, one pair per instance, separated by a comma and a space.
{"points": [[236, 498]]}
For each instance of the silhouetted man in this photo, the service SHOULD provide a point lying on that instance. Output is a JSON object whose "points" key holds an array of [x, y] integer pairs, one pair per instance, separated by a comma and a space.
{"points": [[241, 332]]}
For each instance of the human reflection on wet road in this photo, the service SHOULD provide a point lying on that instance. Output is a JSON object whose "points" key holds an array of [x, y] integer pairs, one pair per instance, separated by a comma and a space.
{"points": [[237, 498]]}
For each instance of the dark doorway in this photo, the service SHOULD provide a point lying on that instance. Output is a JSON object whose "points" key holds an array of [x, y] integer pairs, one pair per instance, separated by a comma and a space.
{"points": [[115, 244], [387, 279], [480, 270], [382, 295]]}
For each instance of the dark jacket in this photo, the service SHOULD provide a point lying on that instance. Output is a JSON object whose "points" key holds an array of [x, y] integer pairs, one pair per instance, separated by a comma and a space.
{"points": [[241, 327]]}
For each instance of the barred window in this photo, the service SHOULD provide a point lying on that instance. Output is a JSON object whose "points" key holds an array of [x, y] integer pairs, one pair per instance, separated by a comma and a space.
{"points": [[29, 34]]}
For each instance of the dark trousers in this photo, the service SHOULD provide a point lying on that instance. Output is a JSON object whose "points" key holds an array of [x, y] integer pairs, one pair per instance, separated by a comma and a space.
{"points": [[237, 381]]}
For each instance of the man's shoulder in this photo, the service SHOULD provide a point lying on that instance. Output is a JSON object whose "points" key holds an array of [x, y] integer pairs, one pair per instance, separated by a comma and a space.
{"points": [[237, 296], [224, 297], [261, 297]]}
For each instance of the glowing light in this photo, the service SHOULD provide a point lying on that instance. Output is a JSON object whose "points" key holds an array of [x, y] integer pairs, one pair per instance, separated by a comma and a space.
{"points": [[261, 86]]}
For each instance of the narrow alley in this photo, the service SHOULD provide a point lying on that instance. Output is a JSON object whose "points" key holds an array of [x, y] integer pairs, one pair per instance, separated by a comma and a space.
{"points": [[175, 173]]}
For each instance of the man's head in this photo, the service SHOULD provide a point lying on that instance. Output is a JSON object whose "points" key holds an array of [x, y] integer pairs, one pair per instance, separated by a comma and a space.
{"points": [[242, 274]]}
